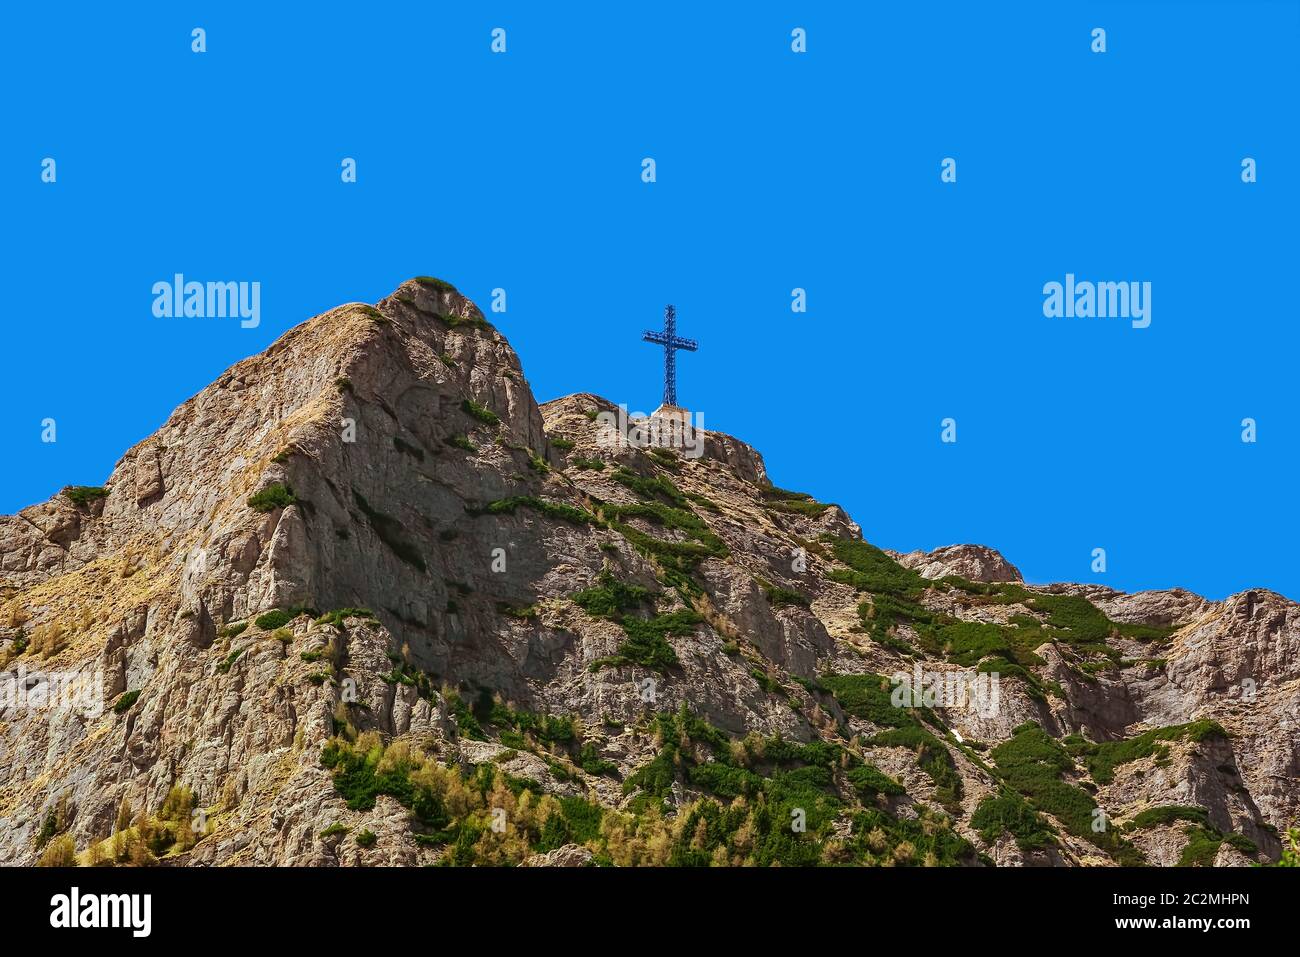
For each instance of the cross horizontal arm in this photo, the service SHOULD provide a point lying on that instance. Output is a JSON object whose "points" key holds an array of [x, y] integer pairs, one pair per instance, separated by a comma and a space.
{"points": [[677, 342]]}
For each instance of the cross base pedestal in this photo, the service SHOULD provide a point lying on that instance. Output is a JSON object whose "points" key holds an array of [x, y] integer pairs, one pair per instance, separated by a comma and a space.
{"points": [[674, 412]]}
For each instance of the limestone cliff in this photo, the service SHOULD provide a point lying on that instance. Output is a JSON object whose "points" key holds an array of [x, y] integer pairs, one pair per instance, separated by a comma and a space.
{"points": [[361, 600]]}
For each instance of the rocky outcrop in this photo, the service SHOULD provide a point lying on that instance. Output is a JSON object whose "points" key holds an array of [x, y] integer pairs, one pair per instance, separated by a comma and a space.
{"points": [[973, 562]]}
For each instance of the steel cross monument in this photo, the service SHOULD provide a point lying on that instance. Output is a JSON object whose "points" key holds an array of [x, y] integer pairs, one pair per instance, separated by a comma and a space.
{"points": [[671, 343]]}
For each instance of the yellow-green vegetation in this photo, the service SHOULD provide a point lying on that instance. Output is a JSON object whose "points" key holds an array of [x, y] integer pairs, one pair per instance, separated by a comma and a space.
{"points": [[779, 597], [768, 801], [278, 618], [1290, 849], [229, 661], [145, 839], [60, 852]]}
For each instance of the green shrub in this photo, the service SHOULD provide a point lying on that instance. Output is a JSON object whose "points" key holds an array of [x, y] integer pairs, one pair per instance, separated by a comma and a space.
{"points": [[233, 631], [461, 442], [229, 662], [781, 597], [124, 703], [480, 412], [84, 494], [1168, 814], [869, 781], [563, 444], [556, 510], [799, 503], [871, 570], [334, 830], [431, 282], [609, 597], [1032, 762], [665, 459], [277, 618], [589, 760], [1102, 759], [868, 696], [647, 638], [337, 616], [272, 497], [932, 757], [366, 838], [1010, 813]]}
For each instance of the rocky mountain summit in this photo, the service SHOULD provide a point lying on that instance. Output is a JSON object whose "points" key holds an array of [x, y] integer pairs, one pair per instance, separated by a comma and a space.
{"points": [[362, 601]]}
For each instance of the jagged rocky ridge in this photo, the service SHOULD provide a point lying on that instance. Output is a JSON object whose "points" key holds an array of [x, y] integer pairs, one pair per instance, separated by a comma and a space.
{"points": [[361, 599]]}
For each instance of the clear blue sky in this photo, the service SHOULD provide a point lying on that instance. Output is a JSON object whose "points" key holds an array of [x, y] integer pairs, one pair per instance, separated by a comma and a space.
{"points": [[775, 170]]}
